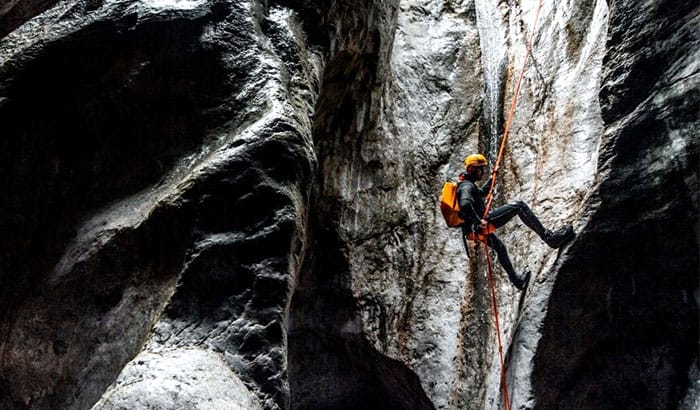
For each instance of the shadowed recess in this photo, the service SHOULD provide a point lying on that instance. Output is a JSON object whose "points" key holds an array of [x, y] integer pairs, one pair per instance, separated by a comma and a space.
{"points": [[93, 118]]}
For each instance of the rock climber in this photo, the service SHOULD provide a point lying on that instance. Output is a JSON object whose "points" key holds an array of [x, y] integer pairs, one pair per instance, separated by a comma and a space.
{"points": [[472, 206]]}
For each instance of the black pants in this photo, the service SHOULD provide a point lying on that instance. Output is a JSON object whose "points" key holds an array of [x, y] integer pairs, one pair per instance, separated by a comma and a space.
{"points": [[501, 216], [494, 243]]}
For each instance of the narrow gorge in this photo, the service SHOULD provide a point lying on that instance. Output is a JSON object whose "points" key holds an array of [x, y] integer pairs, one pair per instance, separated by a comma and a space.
{"points": [[212, 204]]}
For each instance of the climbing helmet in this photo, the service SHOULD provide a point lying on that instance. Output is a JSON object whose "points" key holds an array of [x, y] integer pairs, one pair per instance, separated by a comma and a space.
{"points": [[475, 160]]}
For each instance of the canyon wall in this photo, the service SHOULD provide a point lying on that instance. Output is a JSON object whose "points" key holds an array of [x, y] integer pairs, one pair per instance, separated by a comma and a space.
{"points": [[211, 204]]}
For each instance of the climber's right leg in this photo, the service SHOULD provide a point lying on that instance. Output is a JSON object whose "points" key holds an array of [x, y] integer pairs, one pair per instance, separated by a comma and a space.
{"points": [[501, 215]]}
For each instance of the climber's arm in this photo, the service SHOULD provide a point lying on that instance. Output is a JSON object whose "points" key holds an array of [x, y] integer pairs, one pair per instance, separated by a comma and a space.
{"points": [[486, 187]]}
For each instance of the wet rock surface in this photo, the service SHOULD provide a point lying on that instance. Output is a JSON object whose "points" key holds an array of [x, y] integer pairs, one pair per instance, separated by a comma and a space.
{"points": [[213, 204]]}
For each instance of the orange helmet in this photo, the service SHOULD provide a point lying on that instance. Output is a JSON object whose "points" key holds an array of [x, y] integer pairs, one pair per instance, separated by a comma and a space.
{"points": [[475, 160]]}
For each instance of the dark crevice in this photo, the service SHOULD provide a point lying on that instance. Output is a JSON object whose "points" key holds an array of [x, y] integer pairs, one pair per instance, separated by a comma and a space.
{"points": [[313, 16], [635, 323], [22, 12], [111, 113], [348, 373], [93, 118], [68, 316], [331, 365]]}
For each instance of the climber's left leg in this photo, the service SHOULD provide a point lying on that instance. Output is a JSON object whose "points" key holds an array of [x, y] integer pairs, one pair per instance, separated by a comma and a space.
{"points": [[520, 281]]}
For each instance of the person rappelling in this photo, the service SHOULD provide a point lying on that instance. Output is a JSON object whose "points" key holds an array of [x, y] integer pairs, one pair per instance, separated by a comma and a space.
{"points": [[467, 205], [476, 226]]}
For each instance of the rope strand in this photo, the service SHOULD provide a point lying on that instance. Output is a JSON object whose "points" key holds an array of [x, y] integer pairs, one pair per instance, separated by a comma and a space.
{"points": [[489, 200], [504, 386], [511, 112]]}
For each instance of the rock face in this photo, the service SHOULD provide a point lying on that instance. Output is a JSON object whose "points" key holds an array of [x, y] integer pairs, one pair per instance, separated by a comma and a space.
{"points": [[212, 204], [162, 198], [636, 301], [178, 379]]}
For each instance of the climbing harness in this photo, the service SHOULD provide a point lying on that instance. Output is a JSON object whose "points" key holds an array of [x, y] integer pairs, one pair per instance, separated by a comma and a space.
{"points": [[482, 234]]}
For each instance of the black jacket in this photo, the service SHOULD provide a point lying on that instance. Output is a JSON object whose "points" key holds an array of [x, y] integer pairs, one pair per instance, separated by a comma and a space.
{"points": [[472, 201]]}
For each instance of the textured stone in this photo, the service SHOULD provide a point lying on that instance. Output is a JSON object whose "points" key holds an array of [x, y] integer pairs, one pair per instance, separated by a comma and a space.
{"points": [[178, 379], [211, 204], [178, 132], [633, 272], [331, 362]]}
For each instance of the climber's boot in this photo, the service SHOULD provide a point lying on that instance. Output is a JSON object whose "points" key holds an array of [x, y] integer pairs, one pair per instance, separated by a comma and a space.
{"points": [[556, 239], [521, 281]]}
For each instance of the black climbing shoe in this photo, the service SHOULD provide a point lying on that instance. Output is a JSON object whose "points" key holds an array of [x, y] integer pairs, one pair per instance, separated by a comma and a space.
{"points": [[522, 282], [559, 237]]}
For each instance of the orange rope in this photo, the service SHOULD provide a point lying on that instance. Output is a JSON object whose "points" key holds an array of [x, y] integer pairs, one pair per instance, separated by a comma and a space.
{"points": [[504, 386], [511, 112], [489, 200]]}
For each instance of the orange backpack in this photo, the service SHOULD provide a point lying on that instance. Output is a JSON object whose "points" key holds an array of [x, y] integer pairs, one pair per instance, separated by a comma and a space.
{"points": [[449, 205]]}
